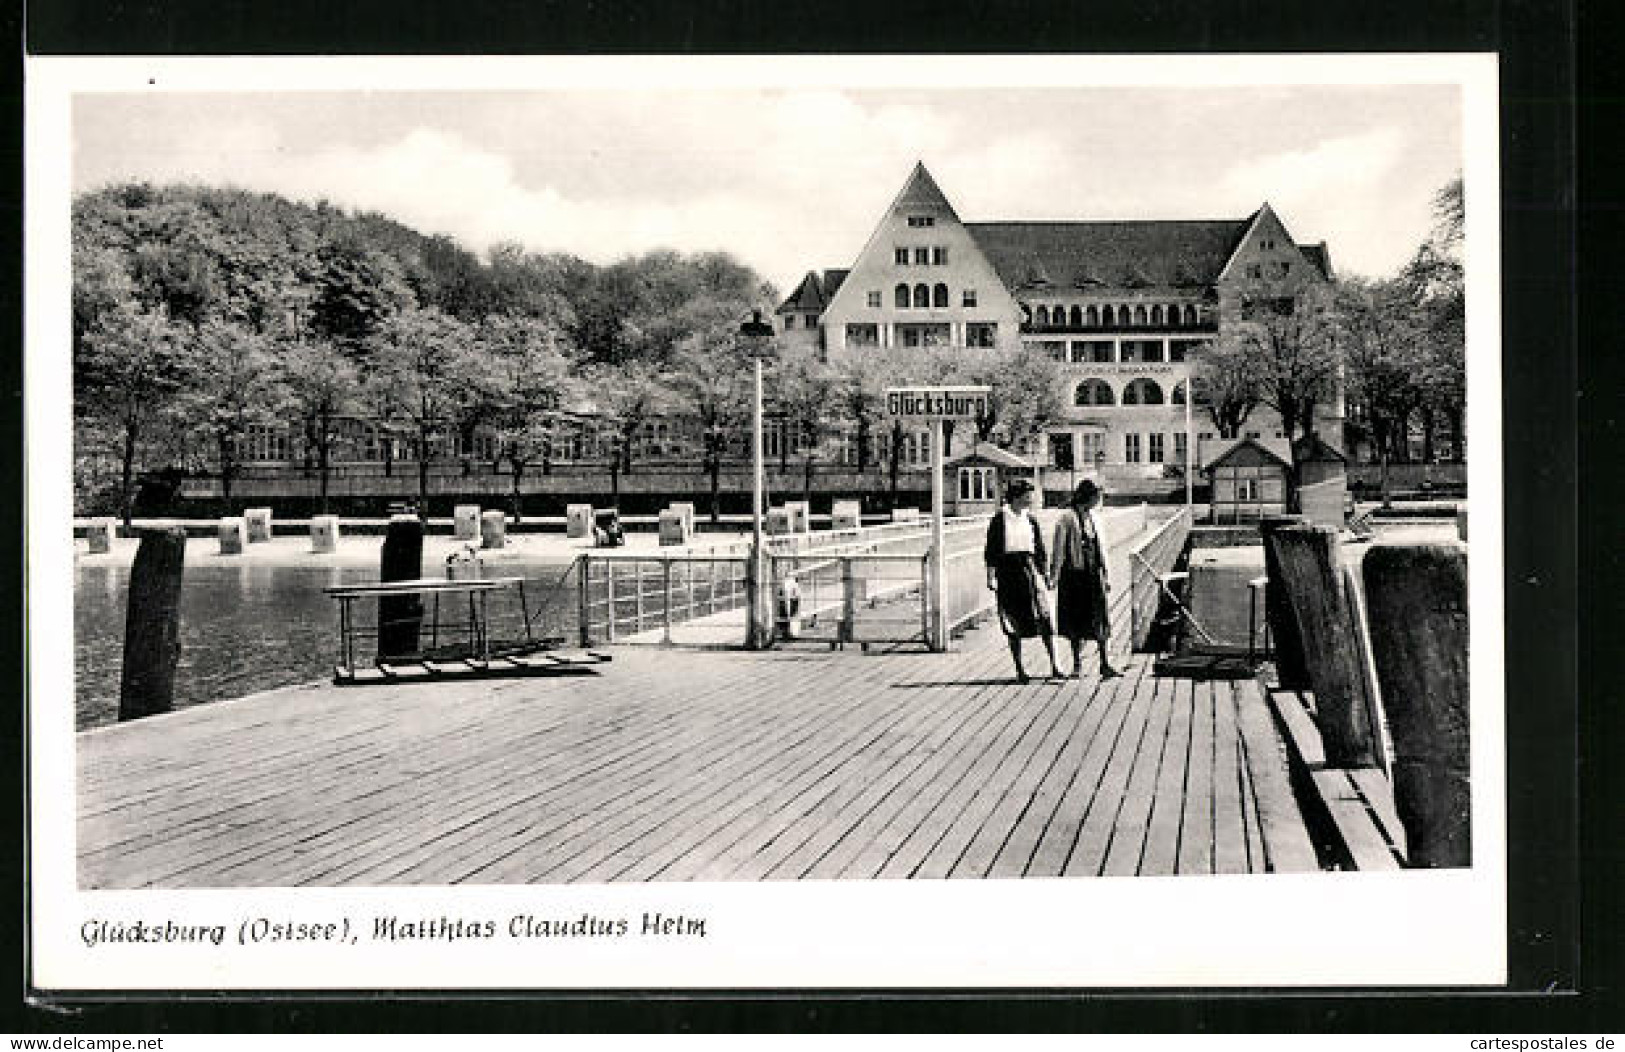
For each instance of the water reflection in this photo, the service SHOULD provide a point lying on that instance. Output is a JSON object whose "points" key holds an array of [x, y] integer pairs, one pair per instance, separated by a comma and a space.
{"points": [[243, 629]]}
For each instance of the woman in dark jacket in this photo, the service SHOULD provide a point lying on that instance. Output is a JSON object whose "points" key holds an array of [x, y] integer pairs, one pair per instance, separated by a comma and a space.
{"points": [[1078, 571], [1015, 570]]}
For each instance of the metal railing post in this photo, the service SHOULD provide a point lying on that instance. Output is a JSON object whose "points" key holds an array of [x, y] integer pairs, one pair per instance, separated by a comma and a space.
{"points": [[849, 601], [637, 606], [584, 603], [665, 607]]}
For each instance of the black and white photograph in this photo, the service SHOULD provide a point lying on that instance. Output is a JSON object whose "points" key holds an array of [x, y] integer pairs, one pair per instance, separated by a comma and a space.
{"points": [[745, 522]]}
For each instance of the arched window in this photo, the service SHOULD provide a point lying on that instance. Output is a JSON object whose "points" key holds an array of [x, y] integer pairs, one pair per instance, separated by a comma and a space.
{"points": [[1156, 314], [922, 297], [1178, 397], [1092, 316], [1094, 392], [1142, 392], [1139, 315], [1108, 317], [939, 296], [901, 294], [1043, 317], [1077, 316]]}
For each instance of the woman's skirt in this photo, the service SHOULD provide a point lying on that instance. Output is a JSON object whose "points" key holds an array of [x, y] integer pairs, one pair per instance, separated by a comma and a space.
{"points": [[1022, 610], [1080, 605]]}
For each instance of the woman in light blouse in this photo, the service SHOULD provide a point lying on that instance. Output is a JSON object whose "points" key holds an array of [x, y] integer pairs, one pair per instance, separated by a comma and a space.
{"points": [[1015, 571]]}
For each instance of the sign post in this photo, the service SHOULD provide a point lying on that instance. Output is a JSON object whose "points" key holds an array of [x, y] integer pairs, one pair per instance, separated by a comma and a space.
{"points": [[758, 336], [933, 405]]}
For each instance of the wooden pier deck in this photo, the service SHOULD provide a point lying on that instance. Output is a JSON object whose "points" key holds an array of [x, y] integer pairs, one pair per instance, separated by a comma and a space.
{"points": [[684, 765]]}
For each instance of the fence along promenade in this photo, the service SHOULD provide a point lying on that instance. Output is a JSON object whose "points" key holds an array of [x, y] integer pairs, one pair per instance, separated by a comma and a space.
{"points": [[866, 586]]}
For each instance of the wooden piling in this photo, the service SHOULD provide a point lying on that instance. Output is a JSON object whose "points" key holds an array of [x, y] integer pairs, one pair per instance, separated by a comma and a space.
{"points": [[400, 617], [1290, 669], [152, 625], [1313, 579], [1417, 598]]}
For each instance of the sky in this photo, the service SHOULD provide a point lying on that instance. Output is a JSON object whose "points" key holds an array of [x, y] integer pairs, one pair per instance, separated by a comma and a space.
{"points": [[795, 179]]}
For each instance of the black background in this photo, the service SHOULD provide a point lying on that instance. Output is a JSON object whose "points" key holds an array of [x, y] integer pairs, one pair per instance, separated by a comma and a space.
{"points": [[1560, 982]]}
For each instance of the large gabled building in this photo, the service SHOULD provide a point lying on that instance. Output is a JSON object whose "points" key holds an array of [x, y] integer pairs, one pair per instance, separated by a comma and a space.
{"points": [[1120, 304]]}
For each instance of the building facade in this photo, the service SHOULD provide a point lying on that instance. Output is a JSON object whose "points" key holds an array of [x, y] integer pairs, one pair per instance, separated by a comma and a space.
{"points": [[1120, 305]]}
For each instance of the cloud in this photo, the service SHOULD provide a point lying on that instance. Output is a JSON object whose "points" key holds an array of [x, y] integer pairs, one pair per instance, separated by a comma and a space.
{"points": [[1333, 190]]}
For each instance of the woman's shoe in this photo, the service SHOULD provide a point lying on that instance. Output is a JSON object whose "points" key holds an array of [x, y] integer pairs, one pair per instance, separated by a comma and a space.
{"points": [[1107, 672], [1022, 677]]}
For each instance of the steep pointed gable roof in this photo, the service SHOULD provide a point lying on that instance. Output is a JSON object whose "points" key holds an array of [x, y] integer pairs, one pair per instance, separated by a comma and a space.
{"points": [[922, 194], [1162, 253], [1320, 257], [809, 296], [833, 280]]}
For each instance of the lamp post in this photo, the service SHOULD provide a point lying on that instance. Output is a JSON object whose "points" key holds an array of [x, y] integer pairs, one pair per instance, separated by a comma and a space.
{"points": [[757, 336]]}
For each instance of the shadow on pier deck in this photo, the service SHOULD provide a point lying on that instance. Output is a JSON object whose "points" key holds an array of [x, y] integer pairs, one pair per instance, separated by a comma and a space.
{"points": [[684, 765]]}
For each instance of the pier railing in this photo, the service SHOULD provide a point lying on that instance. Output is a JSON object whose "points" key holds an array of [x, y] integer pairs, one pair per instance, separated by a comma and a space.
{"points": [[1150, 561]]}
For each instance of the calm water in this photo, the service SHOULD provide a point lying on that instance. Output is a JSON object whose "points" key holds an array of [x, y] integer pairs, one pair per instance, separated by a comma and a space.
{"points": [[243, 629]]}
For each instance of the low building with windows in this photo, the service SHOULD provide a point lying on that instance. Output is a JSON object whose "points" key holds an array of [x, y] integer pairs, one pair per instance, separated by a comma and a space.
{"points": [[1120, 305]]}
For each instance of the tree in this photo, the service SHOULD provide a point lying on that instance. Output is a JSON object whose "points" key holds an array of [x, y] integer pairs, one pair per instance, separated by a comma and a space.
{"points": [[623, 398], [419, 357], [128, 373], [322, 385], [533, 384], [1435, 282], [1024, 395], [236, 387], [803, 389], [358, 288], [1384, 345], [1224, 383], [713, 379]]}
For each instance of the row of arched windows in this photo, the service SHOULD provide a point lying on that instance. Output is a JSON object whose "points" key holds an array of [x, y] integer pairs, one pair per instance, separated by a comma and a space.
{"points": [[921, 297], [1141, 391], [1114, 315]]}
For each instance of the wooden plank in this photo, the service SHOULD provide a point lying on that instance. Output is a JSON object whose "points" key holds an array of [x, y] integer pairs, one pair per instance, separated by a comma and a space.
{"points": [[1094, 836], [1302, 735], [1196, 822], [264, 830], [1257, 862], [1229, 835], [996, 830], [959, 777], [1017, 851], [1060, 837], [586, 810], [1358, 833], [1161, 854], [829, 772], [1287, 848], [885, 774], [968, 714], [1379, 797], [871, 826], [1130, 832], [993, 781]]}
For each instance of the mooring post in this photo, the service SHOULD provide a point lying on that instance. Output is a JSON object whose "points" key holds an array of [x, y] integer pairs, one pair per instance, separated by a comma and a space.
{"points": [[1290, 669], [152, 625], [400, 617], [1313, 576], [1417, 598]]}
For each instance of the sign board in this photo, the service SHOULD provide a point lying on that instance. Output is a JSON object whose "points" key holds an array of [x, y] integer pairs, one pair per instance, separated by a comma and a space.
{"points": [[937, 403]]}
